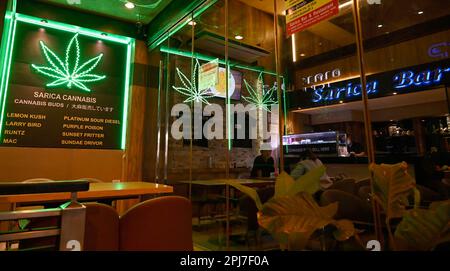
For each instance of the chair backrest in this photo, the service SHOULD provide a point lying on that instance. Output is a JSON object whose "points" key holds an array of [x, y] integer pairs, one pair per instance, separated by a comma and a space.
{"points": [[101, 231], [362, 182], [38, 180], [161, 224], [347, 185], [364, 193], [350, 206]]}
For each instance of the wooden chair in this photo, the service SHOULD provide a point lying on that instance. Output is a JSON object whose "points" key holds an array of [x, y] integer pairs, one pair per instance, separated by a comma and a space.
{"points": [[350, 206], [59, 228], [160, 224], [101, 231], [347, 185]]}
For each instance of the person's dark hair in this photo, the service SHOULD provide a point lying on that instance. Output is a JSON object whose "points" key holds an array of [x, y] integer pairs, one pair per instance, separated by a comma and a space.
{"points": [[307, 154]]}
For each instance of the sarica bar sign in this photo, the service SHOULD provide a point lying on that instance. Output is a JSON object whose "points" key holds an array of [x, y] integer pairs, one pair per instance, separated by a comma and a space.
{"points": [[418, 78], [68, 88]]}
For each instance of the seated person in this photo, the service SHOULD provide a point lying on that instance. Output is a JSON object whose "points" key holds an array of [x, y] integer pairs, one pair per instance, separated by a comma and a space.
{"points": [[354, 148], [309, 161], [264, 163]]}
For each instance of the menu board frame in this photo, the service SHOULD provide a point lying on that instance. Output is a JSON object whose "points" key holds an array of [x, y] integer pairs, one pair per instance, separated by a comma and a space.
{"points": [[9, 43]]}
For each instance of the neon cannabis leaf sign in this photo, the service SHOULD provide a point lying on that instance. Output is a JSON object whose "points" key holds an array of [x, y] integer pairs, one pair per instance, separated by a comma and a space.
{"points": [[69, 73]]}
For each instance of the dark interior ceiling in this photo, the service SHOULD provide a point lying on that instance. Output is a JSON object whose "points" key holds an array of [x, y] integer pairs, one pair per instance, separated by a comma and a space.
{"points": [[144, 12]]}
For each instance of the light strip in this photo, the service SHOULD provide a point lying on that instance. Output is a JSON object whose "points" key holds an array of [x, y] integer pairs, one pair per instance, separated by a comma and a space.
{"points": [[71, 28], [182, 23], [7, 69], [294, 50], [177, 52], [125, 99]]}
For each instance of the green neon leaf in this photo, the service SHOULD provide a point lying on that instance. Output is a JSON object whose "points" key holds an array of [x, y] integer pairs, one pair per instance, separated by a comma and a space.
{"points": [[90, 78], [72, 55], [89, 65], [70, 73], [259, 98], [190, 88], [58, 82], [53, 59], [54, 73], [81, 86]]}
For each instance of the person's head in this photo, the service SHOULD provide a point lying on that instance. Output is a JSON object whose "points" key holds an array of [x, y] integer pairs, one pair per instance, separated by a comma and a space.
{"points": [[266, 150], [308, 154], [349, 139]]}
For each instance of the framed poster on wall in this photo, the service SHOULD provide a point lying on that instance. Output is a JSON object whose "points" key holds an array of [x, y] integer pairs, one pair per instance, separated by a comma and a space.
{"points": [[63, 86]]}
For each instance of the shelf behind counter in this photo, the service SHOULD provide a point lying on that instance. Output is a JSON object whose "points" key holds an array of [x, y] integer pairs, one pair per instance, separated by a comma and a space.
{"points": [[358, 167]]}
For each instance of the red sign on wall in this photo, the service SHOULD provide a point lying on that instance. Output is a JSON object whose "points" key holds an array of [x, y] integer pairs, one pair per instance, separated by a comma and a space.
{"points": [[307, 13]]}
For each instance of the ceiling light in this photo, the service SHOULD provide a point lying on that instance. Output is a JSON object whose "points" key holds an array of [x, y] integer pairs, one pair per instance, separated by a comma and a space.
{"points": [[192, 23], [130, 5], [380, 26], [238, 37], [420, 12]]}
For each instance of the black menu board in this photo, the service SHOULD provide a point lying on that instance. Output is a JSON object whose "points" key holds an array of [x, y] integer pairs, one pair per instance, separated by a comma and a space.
{"points": [[66, 90]]}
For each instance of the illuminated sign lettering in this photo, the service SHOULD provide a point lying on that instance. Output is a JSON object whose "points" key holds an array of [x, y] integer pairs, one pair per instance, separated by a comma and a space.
{"points": [[439, 50], [342, 93], [406, 79], [401, 80], [320, 77]]}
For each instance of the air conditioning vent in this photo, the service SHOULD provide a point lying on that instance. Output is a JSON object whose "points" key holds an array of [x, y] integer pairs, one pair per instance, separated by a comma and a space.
{"points": [[214, 43]]}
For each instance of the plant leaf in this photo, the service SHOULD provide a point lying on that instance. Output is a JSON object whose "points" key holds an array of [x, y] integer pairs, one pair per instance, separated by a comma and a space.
{"points": [[248, 191], [422, 229], [310, 182], [295, 214], [391, 187], [345, 229], [72, 55], [283, 184]]}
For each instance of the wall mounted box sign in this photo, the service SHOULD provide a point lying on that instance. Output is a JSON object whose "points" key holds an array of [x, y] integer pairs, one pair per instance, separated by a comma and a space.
{"points": [[302, 14], [63, 86], [402, 81]]}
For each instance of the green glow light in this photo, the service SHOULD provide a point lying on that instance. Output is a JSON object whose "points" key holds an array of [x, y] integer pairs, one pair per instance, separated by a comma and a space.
{"points": [[203, 57], [69, 73], [259, 98], [7, 56], [71, 28], [130, 49], [55, 69]]}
